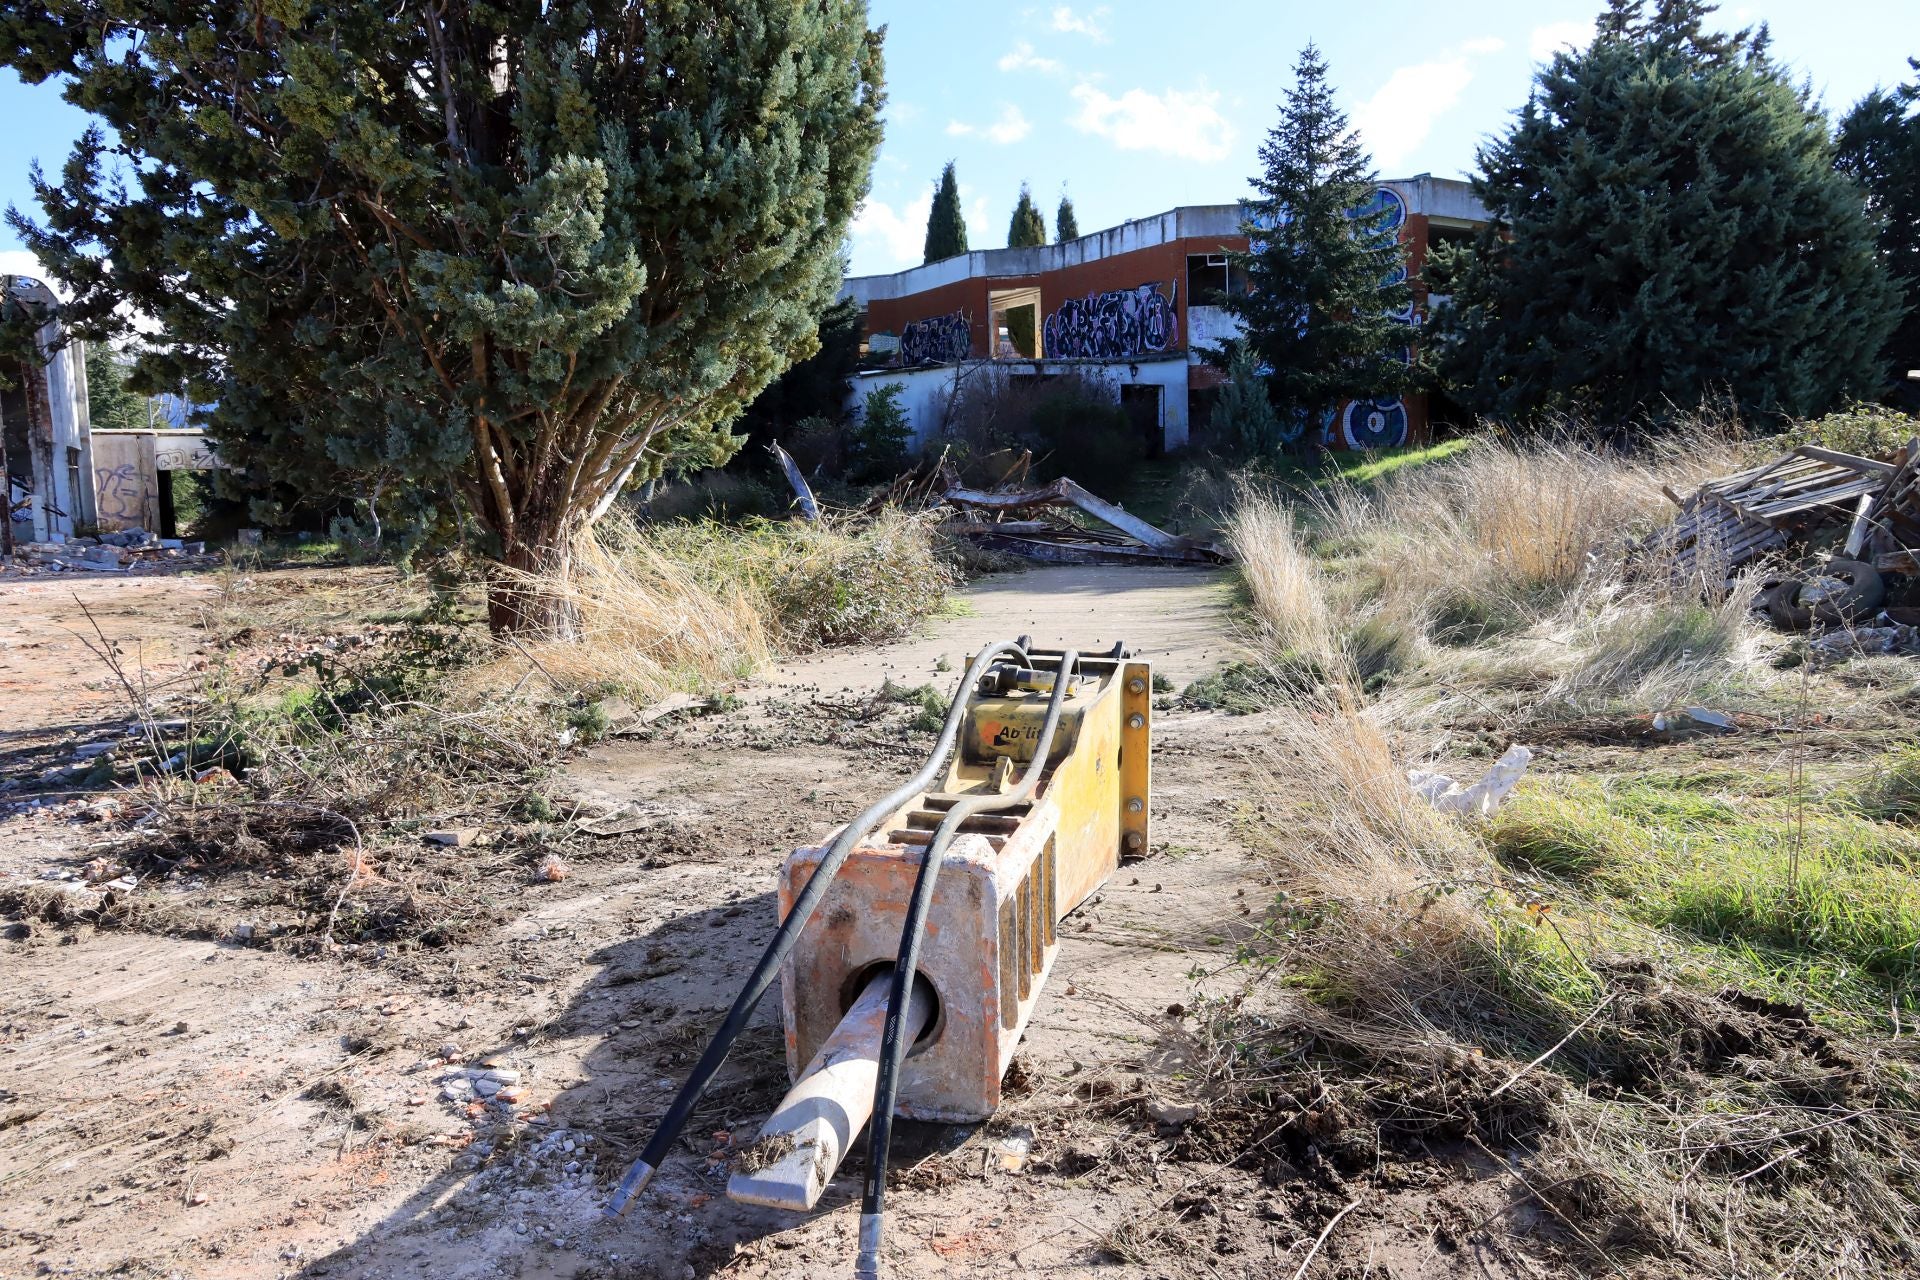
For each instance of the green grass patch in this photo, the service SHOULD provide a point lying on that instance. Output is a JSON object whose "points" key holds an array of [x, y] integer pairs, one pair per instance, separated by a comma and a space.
{"points": [[1359, 466], [1892, 792], [1785, 882]]}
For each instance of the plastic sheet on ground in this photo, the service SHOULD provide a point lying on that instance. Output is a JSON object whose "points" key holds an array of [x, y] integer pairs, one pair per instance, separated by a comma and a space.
{"points": [[1480, 798]]}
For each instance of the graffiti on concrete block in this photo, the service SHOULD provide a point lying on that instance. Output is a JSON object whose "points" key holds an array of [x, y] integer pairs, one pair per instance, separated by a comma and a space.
{"points": [[937, 340], [118, 493], [1112, 326]]}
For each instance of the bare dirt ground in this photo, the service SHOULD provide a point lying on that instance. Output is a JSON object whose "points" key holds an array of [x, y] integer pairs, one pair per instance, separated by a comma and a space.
{"points": [[179, 1107]]}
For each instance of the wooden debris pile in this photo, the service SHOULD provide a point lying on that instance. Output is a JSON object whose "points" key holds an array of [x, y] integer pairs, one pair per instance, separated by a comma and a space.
{"points": [[1727, 522], [1041, 524]]}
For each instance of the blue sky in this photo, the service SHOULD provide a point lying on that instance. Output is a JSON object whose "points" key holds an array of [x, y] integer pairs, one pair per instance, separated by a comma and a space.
{"points": [[1134, 108]]}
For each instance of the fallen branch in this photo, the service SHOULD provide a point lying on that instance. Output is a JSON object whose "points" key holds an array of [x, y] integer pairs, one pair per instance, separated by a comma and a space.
{"points": [[1578, 1027], [1324, 1233]]}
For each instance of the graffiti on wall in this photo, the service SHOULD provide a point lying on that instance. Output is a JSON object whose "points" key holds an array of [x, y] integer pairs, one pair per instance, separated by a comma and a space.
{"points": [[1374, 424], [118, 494], [936, 340], [1384, 209], [1112, 326]]}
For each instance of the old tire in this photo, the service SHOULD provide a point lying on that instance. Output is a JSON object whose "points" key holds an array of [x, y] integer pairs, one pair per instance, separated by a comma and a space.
{"points": [[1777, 601], [1861, 594]]}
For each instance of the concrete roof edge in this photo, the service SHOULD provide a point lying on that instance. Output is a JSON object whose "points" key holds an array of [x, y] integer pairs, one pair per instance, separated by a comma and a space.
{"points": [[1181, 222]]}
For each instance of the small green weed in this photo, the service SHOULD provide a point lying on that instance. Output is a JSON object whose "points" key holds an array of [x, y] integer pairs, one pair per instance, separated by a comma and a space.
{"points": [[930, 705], [1243, 688]]}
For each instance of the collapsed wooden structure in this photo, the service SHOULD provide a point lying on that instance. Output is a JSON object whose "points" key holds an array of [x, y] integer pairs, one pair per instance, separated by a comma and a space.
{"points": [[1039, 524], [1732, 520]]}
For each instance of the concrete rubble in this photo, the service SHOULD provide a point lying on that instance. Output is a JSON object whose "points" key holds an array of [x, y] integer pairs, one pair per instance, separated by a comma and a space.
{"points": [[122, 551]]}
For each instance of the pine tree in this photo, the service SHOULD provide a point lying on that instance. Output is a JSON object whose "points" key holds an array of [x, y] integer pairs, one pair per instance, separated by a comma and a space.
{"points": [[1317, 310], [1667, 226], [1243, 421], [946, 224], [1878, 146], [1065, 228], [495, 262], [1029, 225], [111, 404]]}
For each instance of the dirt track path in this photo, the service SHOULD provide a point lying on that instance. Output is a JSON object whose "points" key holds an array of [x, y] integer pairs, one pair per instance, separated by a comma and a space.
{"points": [[158, 1093]]}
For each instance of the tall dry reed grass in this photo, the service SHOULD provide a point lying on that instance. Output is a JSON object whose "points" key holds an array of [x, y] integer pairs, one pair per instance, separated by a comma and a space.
{"points": [[1712, 1131], [1499, 573]]}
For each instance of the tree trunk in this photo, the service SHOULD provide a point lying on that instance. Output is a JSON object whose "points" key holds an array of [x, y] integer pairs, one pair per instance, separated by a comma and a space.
{"points": [[529, 590]]}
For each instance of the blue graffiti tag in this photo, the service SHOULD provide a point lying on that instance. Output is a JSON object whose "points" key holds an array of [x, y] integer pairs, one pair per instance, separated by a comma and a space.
{"points": [[1375, 424], [936, 340], [1112, 326]]}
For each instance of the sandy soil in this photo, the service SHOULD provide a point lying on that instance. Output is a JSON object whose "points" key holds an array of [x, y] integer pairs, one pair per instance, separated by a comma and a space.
{"points": [[215, 1109]]}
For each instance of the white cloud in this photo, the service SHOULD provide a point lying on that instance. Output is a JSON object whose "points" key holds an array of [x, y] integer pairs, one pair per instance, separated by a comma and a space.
{"points": [[19, 262], [1544, 42], [1092, 24], [1399, 116], [897, 237], [1177, 123], [1022, 58], [1009, 127]]}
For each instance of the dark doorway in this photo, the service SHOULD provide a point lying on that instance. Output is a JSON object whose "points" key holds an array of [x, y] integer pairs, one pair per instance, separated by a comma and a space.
{"points": [[169, 522], [1141, 402]]}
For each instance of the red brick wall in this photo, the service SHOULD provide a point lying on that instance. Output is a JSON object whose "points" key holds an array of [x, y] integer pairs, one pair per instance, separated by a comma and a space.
{"points": [[1163, 264]]}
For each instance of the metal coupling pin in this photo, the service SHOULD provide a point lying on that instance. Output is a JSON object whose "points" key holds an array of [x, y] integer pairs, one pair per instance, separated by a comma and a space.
{"points": [[867, 1266]]}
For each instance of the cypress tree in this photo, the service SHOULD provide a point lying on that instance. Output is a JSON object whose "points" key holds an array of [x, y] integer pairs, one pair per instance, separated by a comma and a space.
{"points": [[1317, 310], [1065, 228], [1878, 146], [946, 225], [493, 262], [1029, 225], [1667, 226]]}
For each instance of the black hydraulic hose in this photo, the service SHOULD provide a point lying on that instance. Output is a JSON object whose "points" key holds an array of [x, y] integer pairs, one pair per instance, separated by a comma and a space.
{"points": [[641, 1171], [892, 1048]]}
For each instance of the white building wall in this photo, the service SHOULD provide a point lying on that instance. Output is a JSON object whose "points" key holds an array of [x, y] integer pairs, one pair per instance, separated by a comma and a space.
{"points": [[58, 504], [926, 393]]}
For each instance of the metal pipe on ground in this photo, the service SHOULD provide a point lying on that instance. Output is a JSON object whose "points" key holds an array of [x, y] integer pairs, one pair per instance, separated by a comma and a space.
{"points": [[803, 1142]]}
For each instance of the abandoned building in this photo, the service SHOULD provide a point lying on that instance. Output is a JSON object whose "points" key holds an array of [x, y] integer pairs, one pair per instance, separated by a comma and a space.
{"points": [[1136, 305], [46, 454], [63, 476]]}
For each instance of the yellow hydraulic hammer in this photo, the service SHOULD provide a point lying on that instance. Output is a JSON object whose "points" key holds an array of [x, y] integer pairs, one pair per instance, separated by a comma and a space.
{"points": [[964, 873]]}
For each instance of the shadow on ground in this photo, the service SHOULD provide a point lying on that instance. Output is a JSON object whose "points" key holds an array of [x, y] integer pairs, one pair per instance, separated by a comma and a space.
{"points": [[529, 1197]]}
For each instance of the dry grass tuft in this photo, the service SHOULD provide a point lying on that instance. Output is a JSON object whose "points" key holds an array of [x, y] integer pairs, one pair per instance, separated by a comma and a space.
{"points": [[687, 606], [1449, 997], [1282, 579], [648, 623]]}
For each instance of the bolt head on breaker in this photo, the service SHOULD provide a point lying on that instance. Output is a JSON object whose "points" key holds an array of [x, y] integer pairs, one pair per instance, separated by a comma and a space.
{"points": [[1008, 879]]}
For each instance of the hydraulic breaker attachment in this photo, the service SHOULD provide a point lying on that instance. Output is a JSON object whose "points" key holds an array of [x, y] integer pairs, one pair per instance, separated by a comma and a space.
{"points": [[914, 944], [1007, 877]]}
